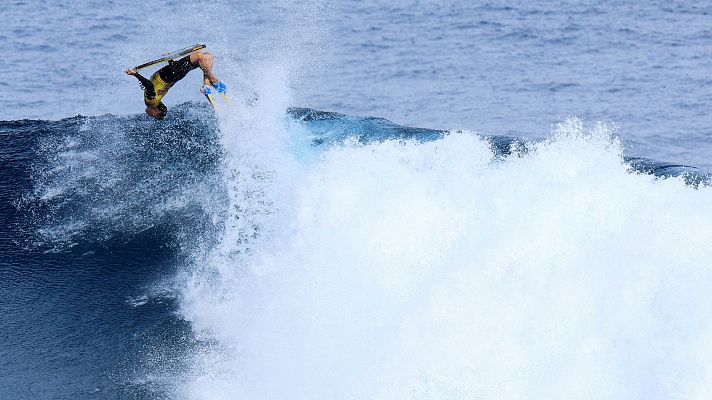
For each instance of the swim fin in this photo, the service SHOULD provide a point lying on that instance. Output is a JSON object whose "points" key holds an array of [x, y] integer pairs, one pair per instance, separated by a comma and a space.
{"points": [[222, 89], [208, 94]]}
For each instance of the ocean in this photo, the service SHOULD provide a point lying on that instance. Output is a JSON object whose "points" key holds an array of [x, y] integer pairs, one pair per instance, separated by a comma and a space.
{"points": [[402, 200]]}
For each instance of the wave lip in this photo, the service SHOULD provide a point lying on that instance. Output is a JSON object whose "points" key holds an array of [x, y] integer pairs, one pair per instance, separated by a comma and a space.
{"points": [[332, 127]]}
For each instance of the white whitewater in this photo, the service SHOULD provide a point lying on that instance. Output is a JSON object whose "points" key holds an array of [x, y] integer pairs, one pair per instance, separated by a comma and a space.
{"points": [[405, 270]]}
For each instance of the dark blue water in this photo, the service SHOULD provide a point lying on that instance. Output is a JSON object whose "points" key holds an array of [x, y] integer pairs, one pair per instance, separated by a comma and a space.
{"points": [[83, 313]]}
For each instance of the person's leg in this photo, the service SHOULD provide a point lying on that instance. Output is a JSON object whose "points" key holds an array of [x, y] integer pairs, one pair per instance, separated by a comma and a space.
{"points": [[205, 62]]}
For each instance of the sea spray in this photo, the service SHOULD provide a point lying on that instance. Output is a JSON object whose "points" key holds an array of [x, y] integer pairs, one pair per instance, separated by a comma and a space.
{"points": [[400, 269], [256, 167], [98, 177]]}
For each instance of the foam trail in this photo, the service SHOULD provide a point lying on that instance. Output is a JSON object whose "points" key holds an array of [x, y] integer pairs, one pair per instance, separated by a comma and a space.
{"points": [[436, 270]]}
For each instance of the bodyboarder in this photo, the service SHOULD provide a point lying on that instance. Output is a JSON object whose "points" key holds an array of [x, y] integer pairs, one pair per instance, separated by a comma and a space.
{"points": [[162, 80]]}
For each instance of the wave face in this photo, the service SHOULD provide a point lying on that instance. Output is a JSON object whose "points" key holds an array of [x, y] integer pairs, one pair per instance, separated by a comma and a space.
{"points": [[96, 217], [320, 255]]}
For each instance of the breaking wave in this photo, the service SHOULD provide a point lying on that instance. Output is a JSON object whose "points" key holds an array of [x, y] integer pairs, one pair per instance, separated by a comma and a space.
{"points": [[333, 256]]}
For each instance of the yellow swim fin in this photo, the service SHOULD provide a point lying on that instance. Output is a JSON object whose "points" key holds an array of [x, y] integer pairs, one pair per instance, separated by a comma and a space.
{"points": [[207, 91]]}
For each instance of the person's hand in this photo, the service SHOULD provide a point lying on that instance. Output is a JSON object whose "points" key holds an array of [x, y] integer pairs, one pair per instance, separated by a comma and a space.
{"points": [[131, 71]]}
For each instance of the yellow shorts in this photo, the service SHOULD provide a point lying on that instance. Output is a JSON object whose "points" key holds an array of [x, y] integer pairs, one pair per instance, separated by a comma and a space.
{"points": [[161, 89]]}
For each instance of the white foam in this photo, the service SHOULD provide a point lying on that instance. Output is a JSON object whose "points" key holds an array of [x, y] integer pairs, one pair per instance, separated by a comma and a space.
{"points": [[406, 270]]}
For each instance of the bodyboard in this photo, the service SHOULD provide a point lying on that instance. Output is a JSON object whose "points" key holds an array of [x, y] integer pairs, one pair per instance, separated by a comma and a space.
{"points": [[171, 55]]}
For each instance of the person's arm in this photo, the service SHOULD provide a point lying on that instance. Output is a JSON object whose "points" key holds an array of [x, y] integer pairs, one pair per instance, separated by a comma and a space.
{"points": [[148, 85]]}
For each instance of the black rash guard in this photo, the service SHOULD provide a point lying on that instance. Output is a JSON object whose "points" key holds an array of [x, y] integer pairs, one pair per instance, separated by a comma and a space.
{"points": [[147, 84]]}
